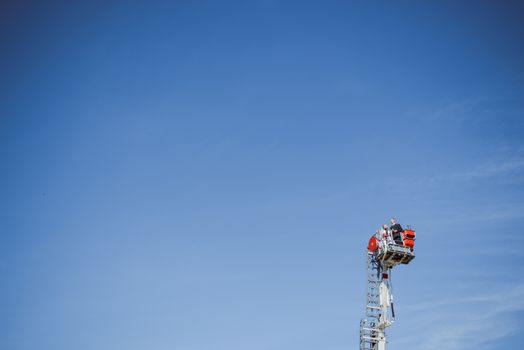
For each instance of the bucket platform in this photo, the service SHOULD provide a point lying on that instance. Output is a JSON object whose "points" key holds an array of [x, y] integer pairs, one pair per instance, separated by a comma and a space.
{"points": [[394, 254]]}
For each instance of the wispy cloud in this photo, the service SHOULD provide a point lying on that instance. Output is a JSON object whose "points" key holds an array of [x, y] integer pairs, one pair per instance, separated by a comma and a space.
{"points": [[457, 109], [490, 169], [461, 187], [464, 323], [477, 107]]}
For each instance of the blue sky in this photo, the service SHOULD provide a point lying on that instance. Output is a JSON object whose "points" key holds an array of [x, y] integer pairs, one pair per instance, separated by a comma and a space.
{"points": [[205, 175]]}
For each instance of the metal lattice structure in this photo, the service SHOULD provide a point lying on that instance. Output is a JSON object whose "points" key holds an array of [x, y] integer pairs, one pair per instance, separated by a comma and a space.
{"points": [[382, 255], [369, 332]]}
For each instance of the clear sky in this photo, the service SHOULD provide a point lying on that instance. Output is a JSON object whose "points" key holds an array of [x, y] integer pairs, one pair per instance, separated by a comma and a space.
{"points": [[193, 175]]}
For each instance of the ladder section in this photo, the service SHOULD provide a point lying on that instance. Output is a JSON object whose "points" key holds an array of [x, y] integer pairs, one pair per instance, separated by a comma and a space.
{"points": [[370, 333]]}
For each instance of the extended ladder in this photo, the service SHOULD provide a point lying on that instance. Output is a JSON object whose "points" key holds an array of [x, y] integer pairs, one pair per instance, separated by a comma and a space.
{"points": [[382, 255], [370, 334]]}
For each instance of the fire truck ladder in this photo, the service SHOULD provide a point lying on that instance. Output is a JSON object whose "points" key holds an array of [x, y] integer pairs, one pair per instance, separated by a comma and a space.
{"points": [[370, 333], [382, 255]]}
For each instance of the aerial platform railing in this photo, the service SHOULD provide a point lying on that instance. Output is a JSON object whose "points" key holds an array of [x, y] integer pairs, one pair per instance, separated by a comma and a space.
{"points": [[394, 254]]}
